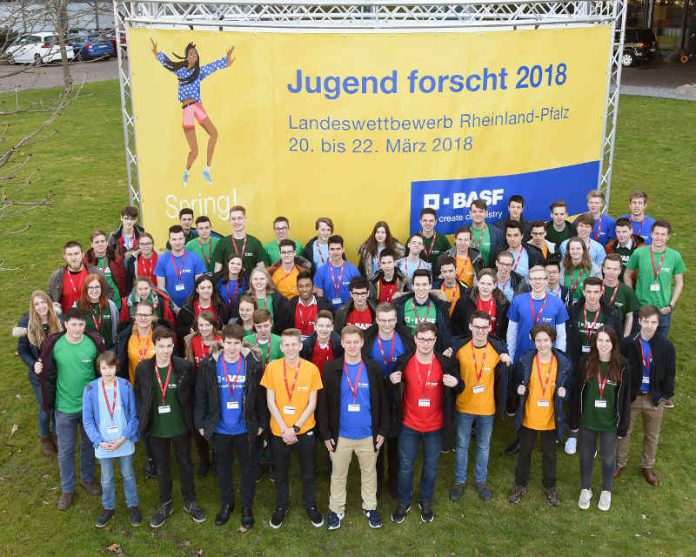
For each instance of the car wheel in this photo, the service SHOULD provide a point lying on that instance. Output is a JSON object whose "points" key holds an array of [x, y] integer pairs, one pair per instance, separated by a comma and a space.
{"points": [[627, 60], [37, 60], [10, 59]]}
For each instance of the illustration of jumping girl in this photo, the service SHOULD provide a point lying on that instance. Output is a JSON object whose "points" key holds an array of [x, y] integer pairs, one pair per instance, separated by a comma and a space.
{"points": [[190, 75]]}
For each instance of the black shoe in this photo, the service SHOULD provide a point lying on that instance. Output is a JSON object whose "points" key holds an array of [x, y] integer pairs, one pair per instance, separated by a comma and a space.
{"points": [[150, 470], [259, 474], [203, 469], [224, 515], [278, 517], [104, 517], [197, 514], [161, 514], [513, 448], [247, 518], [272, 473], [136, 519], [315, 517], [426, 511], [399, 515]]}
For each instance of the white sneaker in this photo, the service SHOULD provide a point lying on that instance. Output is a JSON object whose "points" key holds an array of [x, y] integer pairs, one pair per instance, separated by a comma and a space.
{"points": [[571, 445], [604, 503], [584, 499]]}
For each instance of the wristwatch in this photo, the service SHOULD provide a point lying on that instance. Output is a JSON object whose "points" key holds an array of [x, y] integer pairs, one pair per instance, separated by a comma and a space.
{"points": [[296, 428]]}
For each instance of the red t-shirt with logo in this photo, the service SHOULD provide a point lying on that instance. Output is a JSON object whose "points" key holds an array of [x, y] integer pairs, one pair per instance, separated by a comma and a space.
{"points": [[490, 308], [72, 288], [423, 391], [321, 356], [305, 317], [361, 319]]}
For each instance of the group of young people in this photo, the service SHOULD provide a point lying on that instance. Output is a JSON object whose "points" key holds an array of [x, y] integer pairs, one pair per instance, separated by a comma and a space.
{"points": [[252, 350]]}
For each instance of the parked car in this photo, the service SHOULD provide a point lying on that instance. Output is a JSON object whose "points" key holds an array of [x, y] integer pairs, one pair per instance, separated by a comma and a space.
{"points": [[91, 46], [110, 34], [640, 47], [36, 48]]}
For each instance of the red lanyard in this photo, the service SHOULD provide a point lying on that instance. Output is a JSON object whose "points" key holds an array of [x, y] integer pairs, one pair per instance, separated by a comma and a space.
{"points": [[98, 318], [477, 245], [483, 362], [517, 259], [535, 318], [353, 387], [611, 299], [418, 319], [110, 408], [230, 300], [146, 270], [277, 282], [646, 361], [142, 353], [424, 382], [236, 249], [590, 328], [103, 267], [163, 389], [268, 352], [231, 385], [265, 301], [656, 270], [320, 254], [463, 267], [178, 272], [387, 362], [548, 374], [210, 252], [573, 283], [490, 310], [602, 384], [504, 286], [454, 289], [75, 288], [306, 318], [432, 245], [294, 382], [599, 227], [336, 284]]}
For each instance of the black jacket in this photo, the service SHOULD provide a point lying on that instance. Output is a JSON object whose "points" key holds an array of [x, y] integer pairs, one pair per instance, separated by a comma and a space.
{"points": [[310, 342], [623, 399], [146, 391], [308, 254], [663, 368], [329, 405], [341, 315], [402, 283], [206, 414], [466, 305], [574, 348], [534, 255], [442, 318], [186, 320]]}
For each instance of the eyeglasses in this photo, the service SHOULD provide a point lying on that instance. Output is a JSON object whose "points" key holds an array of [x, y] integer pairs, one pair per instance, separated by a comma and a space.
{"points": [[428, 339], [503, 264], [379, 320], [280, 228], [287, 253], [146, 244], [480, 327], [361, 293], [94, 287], [143, 315]]}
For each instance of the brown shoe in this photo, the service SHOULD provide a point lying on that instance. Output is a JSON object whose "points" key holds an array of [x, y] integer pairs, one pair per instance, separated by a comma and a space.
{"points": [[651, 477], [618, 471], [47, 446], [92, 487], [64, 501]]}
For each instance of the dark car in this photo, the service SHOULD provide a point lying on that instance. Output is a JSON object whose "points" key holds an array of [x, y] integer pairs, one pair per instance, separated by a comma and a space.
{"points": [[640, 47], [90, 46]]}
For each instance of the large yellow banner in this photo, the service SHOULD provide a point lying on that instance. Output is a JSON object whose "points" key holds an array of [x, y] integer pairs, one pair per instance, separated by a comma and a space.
{"points": [[363, 127]]}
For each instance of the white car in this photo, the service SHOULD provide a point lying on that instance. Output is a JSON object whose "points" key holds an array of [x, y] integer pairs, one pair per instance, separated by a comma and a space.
{"points": [[36, 48]]}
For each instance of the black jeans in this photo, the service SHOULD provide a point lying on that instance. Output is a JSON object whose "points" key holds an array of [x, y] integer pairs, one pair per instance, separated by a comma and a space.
{"points": [[306, 453], [548, 456], [202, 448], [182, 452], [224, 448], [391, 448], [587, 439]]}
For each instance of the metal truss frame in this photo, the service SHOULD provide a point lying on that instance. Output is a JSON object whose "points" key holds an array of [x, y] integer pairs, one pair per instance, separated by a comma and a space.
{"points": [[366, 16]]}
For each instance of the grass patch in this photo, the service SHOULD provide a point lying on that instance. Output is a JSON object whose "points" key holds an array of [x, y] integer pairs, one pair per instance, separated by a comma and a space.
{"points": [[83, 166]]}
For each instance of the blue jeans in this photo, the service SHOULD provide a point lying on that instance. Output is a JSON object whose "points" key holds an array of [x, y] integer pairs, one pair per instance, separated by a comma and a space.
{"points": [[107, 481], [409, 441], [66, 435], [45, 420], [484, 429]]}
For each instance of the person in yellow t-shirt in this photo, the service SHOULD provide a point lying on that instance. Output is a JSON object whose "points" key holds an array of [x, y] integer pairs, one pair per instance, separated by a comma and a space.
{"points": [[483, 367], [284, 274], [542, 376], [291, 385]]}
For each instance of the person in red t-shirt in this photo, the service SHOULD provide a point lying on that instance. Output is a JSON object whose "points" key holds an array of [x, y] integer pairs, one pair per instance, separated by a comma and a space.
{"points": [[359, 311], [426, 382], [303, 309], [324, 345]]}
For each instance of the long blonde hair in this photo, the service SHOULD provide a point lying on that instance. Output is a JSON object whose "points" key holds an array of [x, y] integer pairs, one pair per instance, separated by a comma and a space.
{"points": [[35, 330]]}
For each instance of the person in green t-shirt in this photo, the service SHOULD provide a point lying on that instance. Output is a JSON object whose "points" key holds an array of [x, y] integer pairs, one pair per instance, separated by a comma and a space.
{"points": [[204, 245], [658, 268], [281, 229], [558, 229], [164, 394], [102, 315], [601, 409], [66, 367], [434, 244], [241, 243], [616, 294], [267, 343], [484, 237]]}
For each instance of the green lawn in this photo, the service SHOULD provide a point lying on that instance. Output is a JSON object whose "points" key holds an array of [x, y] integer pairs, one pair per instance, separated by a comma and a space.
{"points": [[83, 167]]}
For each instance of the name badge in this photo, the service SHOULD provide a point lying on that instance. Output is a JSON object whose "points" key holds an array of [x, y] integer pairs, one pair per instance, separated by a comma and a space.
{"points": [[600, 403], [585, 348], [112, 429], [424, 402], [654, 288], [646, 380], [353, 408], [232, 405], [478, 389], [289, 410], [179, 287], [543, 403], [336, 301], [164, 409]]}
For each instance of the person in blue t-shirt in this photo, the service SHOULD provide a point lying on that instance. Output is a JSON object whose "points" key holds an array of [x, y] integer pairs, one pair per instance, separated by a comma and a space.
{"points": [[353, 417], [604, 228], [230, 413], [641, 223], [332, 278], [534, 308], [178, 269]]}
